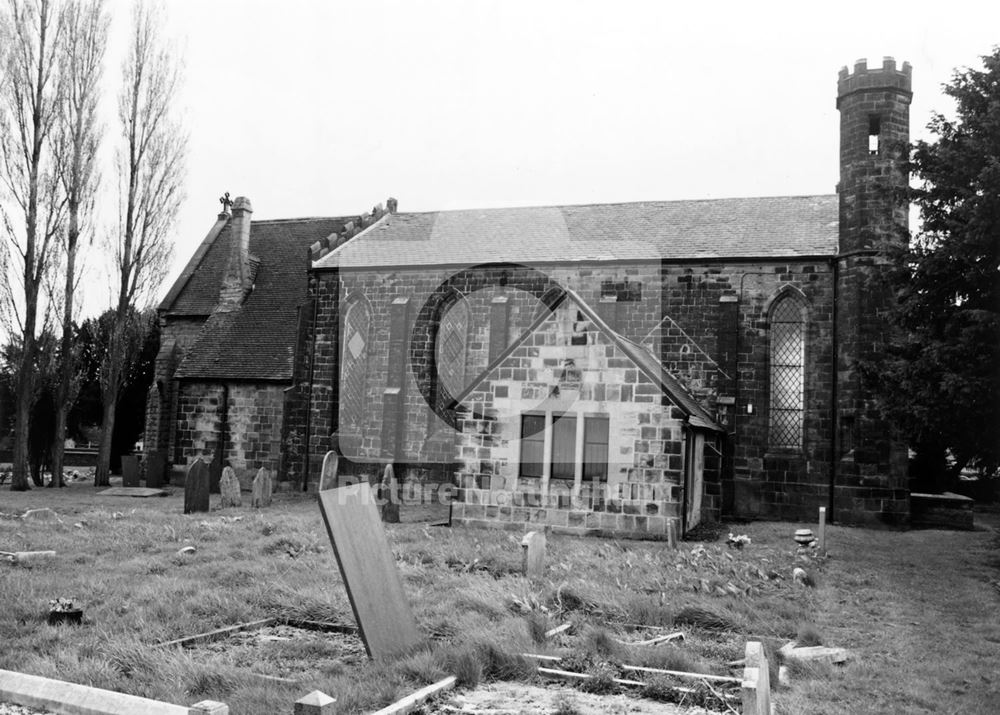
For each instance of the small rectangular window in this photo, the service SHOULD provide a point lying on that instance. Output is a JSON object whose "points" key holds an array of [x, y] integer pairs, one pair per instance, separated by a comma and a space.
{"points": [[532, 445], [874, 130], [595, 448], [563, 446]]}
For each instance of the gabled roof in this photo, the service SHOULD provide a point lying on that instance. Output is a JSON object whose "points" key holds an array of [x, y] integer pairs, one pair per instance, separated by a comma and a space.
{"points": [[644, 360], [768, 227], [257, 341]]}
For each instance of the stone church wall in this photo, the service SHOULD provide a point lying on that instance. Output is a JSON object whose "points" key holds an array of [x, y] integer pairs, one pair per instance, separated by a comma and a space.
{"points": [[708, 320], [253, 429]]}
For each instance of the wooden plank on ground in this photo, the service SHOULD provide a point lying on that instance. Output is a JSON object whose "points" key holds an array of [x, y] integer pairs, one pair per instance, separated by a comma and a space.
{"points": [[218, 633], [412, 702], [368, 568], [682, 674]]}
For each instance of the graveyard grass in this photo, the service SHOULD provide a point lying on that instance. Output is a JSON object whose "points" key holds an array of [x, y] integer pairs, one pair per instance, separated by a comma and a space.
{"points": [[918, 610]]}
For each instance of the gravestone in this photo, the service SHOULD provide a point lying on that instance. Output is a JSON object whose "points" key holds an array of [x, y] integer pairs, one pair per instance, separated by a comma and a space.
{"points": [[368, 570], [196, 488], [328, 474], [229, 488], [533, 556], [262, 489], [130, 471], [215, 473], [156, 465], [389, 496]]}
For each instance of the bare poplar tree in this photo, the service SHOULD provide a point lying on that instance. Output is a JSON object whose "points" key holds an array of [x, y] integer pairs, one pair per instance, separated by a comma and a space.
{"points": [[150, 168], [76, 143], [27, 116]]}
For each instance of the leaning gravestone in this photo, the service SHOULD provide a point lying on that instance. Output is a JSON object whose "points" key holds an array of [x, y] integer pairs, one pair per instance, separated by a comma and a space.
{"points": [[328, 473], [156, 465], [196, 488], [262, 488], [368, 570], [229, 488], [389, 496], [130, 471]]}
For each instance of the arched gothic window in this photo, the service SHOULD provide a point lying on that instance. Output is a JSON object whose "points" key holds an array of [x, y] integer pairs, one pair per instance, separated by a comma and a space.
{"points": [[787, 375], [354, 366], [452, 347]]}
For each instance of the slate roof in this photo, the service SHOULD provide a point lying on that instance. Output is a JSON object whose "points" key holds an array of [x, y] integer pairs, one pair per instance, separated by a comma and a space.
{"points": [[768, 227], [257, 341], [645, 360]]}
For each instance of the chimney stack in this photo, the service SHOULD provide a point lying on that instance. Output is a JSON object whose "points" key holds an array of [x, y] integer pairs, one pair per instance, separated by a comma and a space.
{"points": [[236, 282]]}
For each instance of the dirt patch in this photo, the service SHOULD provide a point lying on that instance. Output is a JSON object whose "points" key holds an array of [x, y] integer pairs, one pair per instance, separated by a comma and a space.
{"points": [[286, 651], [524, 699]]}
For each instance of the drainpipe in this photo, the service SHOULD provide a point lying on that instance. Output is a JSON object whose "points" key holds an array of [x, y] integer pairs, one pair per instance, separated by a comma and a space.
{"points": [[309, 401], [835, 264]]}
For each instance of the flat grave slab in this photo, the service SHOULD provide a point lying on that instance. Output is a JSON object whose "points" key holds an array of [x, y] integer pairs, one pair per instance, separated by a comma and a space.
{"points": [[132, 492]]}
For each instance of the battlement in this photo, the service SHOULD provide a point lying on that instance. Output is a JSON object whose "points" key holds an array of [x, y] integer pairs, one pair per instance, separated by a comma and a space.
{"points": [[864, 78], [350, 230]]}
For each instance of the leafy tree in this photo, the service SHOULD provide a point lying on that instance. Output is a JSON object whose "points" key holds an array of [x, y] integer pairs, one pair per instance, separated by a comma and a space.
{"points": [[939, 381]]}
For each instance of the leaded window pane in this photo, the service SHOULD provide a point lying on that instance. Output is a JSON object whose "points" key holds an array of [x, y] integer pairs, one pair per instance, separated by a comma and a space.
{"points": [[452, 340], [354, 364], [787, 376]]}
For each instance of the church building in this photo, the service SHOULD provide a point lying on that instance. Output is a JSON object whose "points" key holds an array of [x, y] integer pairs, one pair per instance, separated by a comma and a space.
{"points": [[612, 369]]}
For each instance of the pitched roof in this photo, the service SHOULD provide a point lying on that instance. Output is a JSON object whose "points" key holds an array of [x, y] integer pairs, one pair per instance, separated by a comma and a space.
{"points": [[257, 341], [645, 360], [787, 226]]}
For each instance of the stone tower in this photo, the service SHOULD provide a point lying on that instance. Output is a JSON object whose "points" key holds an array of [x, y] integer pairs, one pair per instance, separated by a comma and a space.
{"points": [[870, 483]]}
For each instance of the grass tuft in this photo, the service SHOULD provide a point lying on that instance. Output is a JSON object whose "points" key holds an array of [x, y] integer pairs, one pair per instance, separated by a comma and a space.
{"points": [[465, 665], [598, 641], [565, 705], [703, 618], [538, 625], [807, 636], [601, 680]]}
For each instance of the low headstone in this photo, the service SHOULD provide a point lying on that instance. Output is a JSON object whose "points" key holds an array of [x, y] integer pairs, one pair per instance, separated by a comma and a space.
{"points": [[368, 570], [130, 471], [262, 488], [196, 488], [389, 496], [822, 529], [141, 492], [533, 554], [315, 703], [229, 488], [156, 467], [328, 474], [44, 514], [208, 707]]}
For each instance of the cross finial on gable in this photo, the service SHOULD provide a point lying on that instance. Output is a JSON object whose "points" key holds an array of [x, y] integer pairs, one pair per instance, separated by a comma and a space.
{"points": [[226, 202]]}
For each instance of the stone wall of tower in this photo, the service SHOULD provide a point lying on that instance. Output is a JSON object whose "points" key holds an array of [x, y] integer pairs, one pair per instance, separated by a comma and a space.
{"points": [[870, 481]]}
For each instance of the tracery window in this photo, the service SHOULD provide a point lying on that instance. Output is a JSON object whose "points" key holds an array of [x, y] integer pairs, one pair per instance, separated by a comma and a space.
{"points": [[787, 374], [452, 347]]}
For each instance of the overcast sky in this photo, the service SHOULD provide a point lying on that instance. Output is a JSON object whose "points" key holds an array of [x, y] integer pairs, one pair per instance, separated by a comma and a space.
{"points": [[317, 108]]}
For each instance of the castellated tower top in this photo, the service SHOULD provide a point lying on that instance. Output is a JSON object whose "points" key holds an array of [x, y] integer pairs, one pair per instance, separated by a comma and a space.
{"points": [[884, 77]]}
